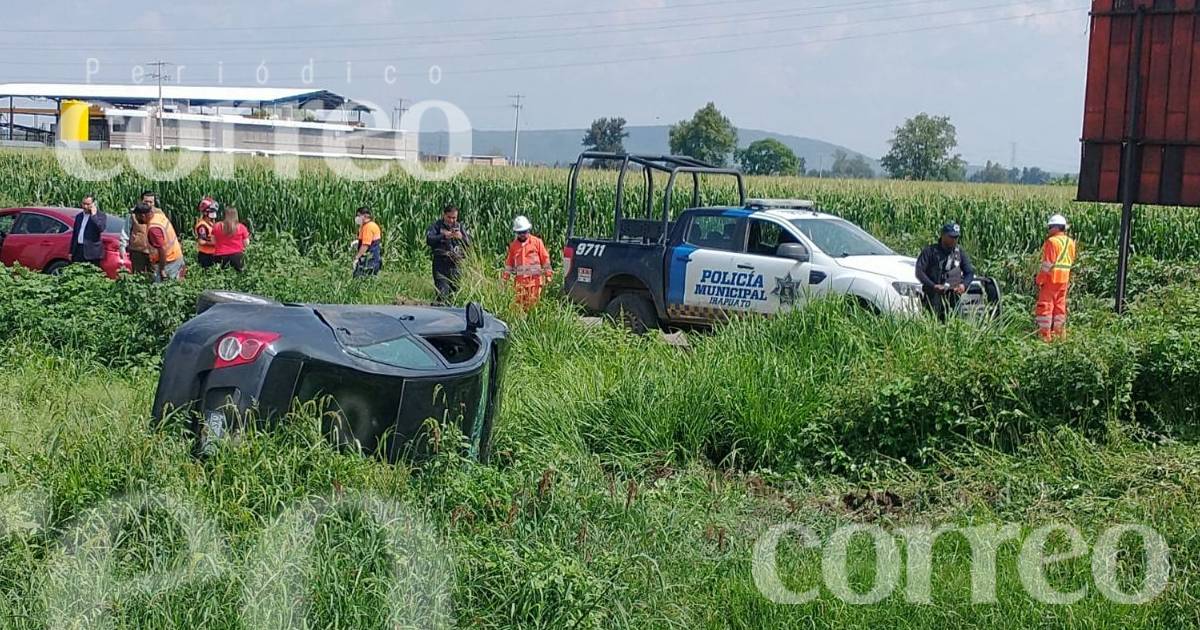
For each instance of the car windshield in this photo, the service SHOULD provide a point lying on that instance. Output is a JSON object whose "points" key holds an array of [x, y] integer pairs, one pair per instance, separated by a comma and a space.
{"points": [[840, 238], [401, 353]]}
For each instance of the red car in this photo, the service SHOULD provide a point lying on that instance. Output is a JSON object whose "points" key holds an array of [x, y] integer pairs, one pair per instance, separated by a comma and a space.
{"points": [[40, 239]]}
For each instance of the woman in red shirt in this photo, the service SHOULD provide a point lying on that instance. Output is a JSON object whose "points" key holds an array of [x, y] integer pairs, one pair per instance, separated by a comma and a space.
{"points": [[231, 238]]}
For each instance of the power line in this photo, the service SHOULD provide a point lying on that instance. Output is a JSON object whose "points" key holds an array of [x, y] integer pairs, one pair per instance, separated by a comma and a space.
{"points": [[775, 46], [277, 27], [522, 35], [743, 34], [755, 48]]}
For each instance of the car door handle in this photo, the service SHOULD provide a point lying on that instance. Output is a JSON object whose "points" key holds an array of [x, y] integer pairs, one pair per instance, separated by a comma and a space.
{"points": [[746, 267], [684, 258]]}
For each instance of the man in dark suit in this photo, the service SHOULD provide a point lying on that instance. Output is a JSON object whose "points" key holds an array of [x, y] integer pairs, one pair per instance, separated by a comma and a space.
{"points": [[86, 245]]}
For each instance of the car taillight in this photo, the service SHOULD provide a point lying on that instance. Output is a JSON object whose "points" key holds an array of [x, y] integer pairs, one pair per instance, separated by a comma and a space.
{"points": [[242, 347], [568, 254]]}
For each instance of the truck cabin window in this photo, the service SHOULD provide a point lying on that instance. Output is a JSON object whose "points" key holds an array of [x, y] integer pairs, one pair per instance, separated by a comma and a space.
{"points": [[766, 237], [714, 232]]}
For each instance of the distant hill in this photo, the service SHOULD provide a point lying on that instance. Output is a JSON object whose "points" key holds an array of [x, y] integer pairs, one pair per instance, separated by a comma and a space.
{"points": [[562, 146]]}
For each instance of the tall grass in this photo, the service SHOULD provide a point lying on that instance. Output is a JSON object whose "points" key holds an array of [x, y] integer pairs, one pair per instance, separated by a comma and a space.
{"points": [[317, 207], [630, 478], [589, 516]]}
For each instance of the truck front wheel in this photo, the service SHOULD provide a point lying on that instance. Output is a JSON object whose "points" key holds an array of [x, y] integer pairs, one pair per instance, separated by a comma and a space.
{"points": [[633, 311]]}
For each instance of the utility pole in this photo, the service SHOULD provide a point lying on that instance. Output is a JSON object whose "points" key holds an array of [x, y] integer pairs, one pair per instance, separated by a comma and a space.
{"points": [[517, 106], [160, 74], [398, 114]]}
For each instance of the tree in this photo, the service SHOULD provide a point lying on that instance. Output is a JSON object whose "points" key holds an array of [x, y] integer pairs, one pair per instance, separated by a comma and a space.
{"points": [[1069, 179], [993, 173], [846, 167], [606, 134], [1034, 176], [769, 157], [708, 136], [921, 149]]}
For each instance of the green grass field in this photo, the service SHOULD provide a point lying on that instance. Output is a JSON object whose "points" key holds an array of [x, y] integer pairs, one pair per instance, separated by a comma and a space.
{"points": [[631, 479]]}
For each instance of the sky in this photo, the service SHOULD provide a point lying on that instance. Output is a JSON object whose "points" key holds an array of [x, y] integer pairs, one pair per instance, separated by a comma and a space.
{"points": [[846, 71]]}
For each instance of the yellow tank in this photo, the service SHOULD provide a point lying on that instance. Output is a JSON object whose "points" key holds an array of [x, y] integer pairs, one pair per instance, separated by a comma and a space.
{"points": [[73, 121]]}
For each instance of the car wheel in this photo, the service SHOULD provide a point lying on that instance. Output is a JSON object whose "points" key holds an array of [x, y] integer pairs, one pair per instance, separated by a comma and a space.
{"points": [[55, 267], [633, 311], [208, 299]]}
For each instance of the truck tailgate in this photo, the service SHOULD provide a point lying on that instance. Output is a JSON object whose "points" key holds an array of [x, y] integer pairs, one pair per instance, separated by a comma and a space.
{"points": [[593, 265]]}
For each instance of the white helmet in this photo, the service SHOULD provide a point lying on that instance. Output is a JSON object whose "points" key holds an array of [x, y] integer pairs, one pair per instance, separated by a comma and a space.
{"points": [[1057, 220], [522, 224]]}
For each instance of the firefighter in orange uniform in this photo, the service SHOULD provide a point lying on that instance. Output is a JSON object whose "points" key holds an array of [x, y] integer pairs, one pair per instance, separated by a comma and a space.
{"points": [[1053, 279], [529, 262], [206, 244]]}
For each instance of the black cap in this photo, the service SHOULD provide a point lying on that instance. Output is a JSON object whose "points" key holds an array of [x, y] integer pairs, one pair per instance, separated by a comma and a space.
{"points": [[951, 229]]}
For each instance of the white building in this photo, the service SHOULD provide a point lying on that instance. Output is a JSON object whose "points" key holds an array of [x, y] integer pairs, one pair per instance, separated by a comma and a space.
{"points": [[265, 121]]}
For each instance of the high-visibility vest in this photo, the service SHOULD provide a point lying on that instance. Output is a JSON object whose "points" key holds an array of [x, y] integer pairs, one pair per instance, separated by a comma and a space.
{"points": [[206, 245], [1058, 257], [171, 243]]}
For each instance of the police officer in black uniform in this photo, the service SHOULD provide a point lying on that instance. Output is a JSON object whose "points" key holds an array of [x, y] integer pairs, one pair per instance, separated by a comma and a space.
{"points": [[448, 241], [945, 272]]}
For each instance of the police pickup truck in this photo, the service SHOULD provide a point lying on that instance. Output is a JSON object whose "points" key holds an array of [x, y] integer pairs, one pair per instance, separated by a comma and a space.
{"points": [[755, 257]]}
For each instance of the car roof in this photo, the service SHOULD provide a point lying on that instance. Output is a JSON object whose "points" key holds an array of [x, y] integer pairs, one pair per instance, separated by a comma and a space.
{"points": [[63, 214], [58, 212], [779, 214], [787, 214]]}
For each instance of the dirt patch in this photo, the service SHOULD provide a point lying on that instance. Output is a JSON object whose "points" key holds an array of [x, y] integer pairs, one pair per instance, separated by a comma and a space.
{"points": [[872, 503]]}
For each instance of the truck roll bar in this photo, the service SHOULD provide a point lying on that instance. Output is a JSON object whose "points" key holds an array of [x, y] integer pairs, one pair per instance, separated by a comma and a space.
{"points": [[671, 165]]}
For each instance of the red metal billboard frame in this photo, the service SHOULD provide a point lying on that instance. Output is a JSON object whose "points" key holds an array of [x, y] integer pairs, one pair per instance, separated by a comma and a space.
{"points": [[1141, 124]]}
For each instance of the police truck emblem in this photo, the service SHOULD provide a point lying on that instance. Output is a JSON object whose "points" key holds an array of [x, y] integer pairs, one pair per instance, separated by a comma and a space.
{"points": [[785, 289]]}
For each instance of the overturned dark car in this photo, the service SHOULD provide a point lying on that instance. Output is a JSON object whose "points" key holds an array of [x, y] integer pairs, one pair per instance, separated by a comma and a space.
{"points": [[382, 372]]}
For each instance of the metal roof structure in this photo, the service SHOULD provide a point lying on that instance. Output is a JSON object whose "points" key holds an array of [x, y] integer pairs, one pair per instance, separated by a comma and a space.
{"points": [[194, 94]]}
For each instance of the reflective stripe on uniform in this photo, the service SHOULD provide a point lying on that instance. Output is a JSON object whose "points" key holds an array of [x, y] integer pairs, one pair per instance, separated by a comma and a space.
{"points": [[1060, 270], [528, 270], [1064, 260]]}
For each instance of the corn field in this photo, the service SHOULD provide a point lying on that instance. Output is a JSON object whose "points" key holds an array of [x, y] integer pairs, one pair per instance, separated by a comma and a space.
{"points": [[317, 207]]}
